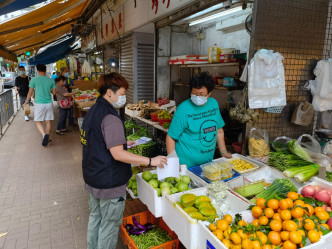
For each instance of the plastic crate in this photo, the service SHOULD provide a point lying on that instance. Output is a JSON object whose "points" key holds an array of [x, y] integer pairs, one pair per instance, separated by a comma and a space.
{"points": [[143, 218], [187, 228], [148, 151], [149, 196]]}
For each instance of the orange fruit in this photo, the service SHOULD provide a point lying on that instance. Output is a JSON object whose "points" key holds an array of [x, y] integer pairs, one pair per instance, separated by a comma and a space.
{"points": [[290, 225], [286, 215], [219, 234], [309, 224], [277, 216], [255, 222], [298, 203], [227, 232], [262, 237], [226, 242], [268, 212], [276, 225], [252, 236], [283, 204], [289, 245], [235, 238], [242, 234], [323, 215], [228, 218], [284, 235], [256, 244], [222, 225], [292, 195], [236, 246], [261, 202], [308, 209], [256, 211], [242, 223], [274, 238], [266, 247], [295, 237], [273, 203], [247, 244], [319, 209], [212, 227], [313, 236], [263, 220], [299, 221], [297, 212], [302, 232], [290, 202]]}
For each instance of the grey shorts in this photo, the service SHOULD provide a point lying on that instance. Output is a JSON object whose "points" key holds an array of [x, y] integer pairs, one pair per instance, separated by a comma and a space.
{"points": [[43, 112], [22, 100]]}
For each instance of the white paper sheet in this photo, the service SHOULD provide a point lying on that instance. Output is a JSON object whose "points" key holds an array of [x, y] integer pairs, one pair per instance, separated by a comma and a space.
{"points": [[169, 170], [139, 141]]}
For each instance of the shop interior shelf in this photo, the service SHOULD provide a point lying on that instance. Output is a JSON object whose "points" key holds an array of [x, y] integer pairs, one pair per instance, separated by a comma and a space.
{"points": [[197, 170], [216, 87], [212, 65]]}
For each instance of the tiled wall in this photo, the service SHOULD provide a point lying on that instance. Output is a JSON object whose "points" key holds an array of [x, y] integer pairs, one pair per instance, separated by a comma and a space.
{"points": [[296, 29]]}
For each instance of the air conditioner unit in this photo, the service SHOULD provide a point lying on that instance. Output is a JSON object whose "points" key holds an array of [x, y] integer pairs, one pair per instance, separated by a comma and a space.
{"points": [[233, 23]]}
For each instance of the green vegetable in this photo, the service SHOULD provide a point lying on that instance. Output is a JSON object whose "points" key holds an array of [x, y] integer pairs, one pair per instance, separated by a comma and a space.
{"points": [[278, 187], [295, 170], [283, 160], [298, 150], [306, 174], [167, 125], [155, 237], [329, 176], [164, 115]]}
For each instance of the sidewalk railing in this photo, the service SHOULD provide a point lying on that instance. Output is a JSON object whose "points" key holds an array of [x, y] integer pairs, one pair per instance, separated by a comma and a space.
{"points": [[7, 109]]}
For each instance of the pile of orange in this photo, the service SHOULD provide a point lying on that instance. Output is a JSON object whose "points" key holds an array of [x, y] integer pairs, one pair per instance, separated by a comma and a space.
{"points": [[280, 224]]}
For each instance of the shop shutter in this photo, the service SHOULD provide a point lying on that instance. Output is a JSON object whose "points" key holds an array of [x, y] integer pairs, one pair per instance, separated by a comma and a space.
{"points": [[127, 64], [145, 71]]}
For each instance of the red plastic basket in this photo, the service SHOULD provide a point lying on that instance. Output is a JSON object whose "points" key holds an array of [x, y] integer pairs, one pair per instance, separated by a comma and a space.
{"points": [[154, 117], [144, 218], [163, 121]]}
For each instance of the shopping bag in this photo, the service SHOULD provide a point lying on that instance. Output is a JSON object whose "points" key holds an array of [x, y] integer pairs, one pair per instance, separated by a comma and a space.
{"points": [[258, 144], [304, 114], [65, 103], [26, 108]]}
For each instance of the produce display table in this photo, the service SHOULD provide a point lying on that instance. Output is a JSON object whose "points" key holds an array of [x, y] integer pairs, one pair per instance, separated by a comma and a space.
{"points": [[146, 121]]}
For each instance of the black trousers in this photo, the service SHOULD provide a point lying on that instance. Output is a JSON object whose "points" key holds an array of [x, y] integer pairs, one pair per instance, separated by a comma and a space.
{"points": [[62, 118]]}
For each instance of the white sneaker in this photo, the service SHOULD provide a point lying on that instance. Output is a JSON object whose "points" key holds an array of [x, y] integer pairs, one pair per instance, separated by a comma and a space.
{"points": [[26, 118]]}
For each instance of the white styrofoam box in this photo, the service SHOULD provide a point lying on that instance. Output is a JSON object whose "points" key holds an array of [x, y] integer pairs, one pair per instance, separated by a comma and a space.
{"points": [[171, 103], [208, 240], [235, 156], [317, 181], [131, 113], [131, 193], [149, 196], [187, 228], [237, 182]]}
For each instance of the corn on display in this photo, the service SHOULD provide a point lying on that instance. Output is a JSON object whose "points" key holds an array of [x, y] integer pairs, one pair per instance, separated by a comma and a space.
{"points": [[242, 166]]}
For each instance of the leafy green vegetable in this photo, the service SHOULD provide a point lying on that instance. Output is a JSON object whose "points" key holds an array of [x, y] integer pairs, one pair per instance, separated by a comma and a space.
{"points": [[155, 237], [277, 188], [298, 150], [306, 173], [283, 160]]}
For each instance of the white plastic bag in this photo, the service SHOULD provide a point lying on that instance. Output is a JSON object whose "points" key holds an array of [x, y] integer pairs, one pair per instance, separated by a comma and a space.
{"points": [[258, 144], [266, 84]]}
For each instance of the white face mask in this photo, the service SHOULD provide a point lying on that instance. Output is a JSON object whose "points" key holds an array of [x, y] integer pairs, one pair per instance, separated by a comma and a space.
{"points": [[198, 100], [121, 101]]}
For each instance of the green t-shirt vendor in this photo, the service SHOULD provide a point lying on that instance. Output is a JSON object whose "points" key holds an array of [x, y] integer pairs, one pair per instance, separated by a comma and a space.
{"points": [[197, 125]]}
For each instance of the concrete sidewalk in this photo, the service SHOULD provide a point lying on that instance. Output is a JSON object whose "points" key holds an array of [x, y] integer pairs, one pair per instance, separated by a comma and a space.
{"points": [[43, 204]]}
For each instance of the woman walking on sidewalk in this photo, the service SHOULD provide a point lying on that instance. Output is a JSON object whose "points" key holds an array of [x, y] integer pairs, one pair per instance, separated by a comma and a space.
{"points": [[64, 104]]}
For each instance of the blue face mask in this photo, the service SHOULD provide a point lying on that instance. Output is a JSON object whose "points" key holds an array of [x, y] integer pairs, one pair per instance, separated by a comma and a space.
{"points": [[198, 100], [66, 75], [21, 73]]}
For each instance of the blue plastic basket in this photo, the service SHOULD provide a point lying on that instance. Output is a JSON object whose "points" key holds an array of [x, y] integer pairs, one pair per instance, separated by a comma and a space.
{"points": [[197, 170]]}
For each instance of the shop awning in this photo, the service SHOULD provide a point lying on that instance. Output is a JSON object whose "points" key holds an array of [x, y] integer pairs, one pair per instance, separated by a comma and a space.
{"points": [[42, 26], [53, 53], [8, 6]]}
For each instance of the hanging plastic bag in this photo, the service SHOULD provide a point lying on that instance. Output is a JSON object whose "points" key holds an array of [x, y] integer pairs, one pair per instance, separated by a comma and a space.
{"points": [[304, 114], [281, 143], [266, 80], [258, 143]]}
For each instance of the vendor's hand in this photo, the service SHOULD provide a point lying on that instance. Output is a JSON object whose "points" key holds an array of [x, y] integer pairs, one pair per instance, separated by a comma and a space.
{"points": [[159, 161], [130, 143], [227, 155]]}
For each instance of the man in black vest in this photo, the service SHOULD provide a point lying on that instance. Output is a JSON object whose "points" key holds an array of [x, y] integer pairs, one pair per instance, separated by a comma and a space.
{"points": [[106, 162]]}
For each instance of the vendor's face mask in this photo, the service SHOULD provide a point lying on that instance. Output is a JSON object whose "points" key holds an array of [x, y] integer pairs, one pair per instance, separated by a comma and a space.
{"points": [[66, 75], [120, 102], [21, 73], [198, 100]]}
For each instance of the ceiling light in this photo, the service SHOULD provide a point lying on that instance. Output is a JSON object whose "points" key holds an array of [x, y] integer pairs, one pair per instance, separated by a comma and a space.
{"points": [[214, 16]]}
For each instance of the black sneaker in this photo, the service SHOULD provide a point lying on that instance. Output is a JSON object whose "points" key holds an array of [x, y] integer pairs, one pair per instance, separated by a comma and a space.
{"points": [[45, 140]]}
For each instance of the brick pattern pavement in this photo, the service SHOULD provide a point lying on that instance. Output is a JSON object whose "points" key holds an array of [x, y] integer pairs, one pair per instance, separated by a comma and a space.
{"points": [[43, 204]]}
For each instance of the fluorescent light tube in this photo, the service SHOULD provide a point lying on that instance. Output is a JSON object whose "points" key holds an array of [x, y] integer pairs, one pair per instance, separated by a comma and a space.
{"points": [[214, 16]]}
